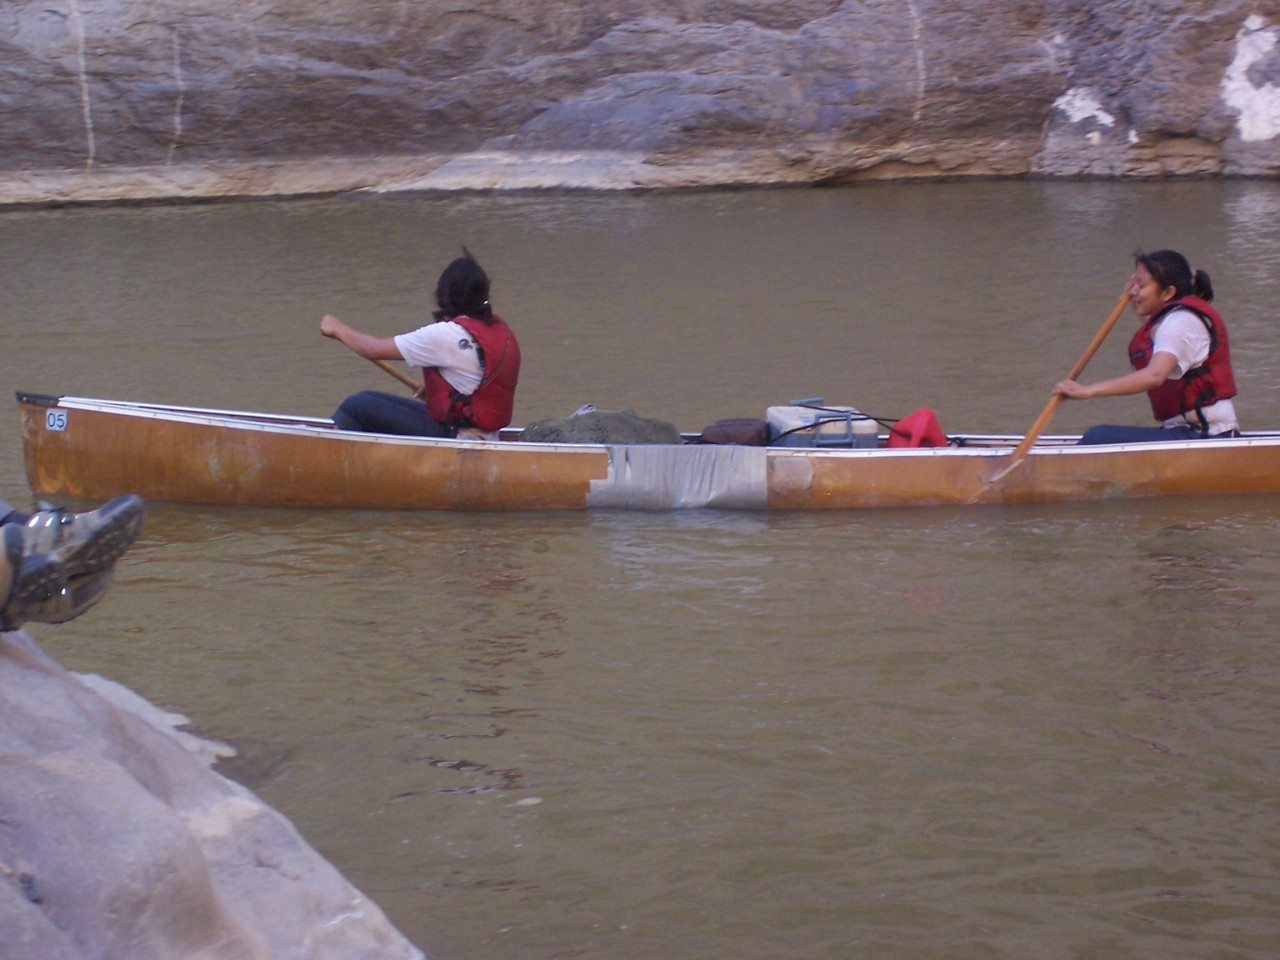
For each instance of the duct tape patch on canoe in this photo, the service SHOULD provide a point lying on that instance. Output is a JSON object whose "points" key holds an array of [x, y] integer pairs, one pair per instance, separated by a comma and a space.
{"points": [[676, 477]]}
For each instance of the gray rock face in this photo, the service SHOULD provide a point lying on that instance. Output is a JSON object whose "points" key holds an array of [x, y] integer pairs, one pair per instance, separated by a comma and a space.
{"points": [[118, 842], [177, 97]]}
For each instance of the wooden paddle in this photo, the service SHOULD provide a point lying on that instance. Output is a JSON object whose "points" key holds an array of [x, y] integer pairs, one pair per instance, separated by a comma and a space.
{"points": [[1022, 449], [399, 375]]}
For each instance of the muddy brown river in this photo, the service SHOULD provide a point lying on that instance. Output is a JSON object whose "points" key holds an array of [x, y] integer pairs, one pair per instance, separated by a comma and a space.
{"points": [[984, 732]]}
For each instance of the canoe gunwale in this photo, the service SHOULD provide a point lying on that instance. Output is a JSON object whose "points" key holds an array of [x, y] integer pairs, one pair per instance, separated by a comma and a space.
{"points": [[980, 444]]}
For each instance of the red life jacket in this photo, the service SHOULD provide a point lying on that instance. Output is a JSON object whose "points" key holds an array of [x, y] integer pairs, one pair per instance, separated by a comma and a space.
{"points": [[491, 405], [1199, 387]]}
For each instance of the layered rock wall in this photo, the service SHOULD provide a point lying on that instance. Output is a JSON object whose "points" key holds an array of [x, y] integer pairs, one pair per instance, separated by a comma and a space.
{"points": [[188, 97]]}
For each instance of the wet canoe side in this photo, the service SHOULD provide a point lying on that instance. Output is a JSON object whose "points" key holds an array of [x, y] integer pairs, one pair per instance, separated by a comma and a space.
{"points": [[99, 453], [93, 449], [1057, 473]]}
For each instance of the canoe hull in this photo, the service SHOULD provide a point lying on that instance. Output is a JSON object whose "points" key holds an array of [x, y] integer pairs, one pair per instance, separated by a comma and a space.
{"points": [[87, 449], [210, 459]]}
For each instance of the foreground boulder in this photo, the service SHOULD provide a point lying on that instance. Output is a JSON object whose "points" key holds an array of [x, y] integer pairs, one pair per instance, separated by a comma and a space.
{"points": [[119, 842]]}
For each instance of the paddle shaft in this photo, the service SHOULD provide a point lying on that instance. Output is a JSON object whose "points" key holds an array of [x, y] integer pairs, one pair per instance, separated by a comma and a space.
{"points": [[1046, 414], [399, 375]]}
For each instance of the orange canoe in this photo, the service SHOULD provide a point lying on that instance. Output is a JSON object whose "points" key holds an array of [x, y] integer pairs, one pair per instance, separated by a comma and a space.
{"points": [[92, 449]]}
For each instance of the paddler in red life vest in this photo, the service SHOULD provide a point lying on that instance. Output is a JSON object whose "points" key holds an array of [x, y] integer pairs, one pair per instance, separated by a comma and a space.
{"points": [[1180, 357], [470, 363]]}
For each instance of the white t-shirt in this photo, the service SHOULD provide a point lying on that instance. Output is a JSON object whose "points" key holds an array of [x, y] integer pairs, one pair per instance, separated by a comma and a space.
{"points": [[446, 346], [1184, 335]]}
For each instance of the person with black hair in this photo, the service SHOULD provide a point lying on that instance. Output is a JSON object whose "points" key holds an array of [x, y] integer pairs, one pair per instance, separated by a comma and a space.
{"points": [[1180, 356], [470, 363]]}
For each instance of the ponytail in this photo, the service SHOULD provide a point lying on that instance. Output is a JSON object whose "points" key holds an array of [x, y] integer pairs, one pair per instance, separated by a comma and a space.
{"points": [[1201, 286]]}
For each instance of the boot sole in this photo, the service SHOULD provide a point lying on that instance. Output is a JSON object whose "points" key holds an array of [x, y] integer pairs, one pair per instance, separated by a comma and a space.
{"points": [[31, 598], [98, 551]]}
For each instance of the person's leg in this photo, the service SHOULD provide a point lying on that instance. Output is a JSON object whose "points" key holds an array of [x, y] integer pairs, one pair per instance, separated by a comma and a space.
{"points": [[373, 411], [1114, 433], [8, 566]]}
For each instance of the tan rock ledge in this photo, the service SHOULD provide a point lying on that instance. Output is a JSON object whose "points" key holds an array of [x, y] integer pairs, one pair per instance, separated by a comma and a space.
{"points": [[495, 170]]}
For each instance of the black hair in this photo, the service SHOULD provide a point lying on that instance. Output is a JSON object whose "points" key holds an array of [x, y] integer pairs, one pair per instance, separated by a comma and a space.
{"points": [[1170, 269], [463, 290]]}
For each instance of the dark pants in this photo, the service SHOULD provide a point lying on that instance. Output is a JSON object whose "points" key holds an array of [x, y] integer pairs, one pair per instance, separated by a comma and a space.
{"points": [[1112, 433], [373, 411]]}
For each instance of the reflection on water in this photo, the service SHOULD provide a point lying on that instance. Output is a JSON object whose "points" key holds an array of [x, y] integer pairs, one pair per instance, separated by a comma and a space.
{"points": [[992, 732]]}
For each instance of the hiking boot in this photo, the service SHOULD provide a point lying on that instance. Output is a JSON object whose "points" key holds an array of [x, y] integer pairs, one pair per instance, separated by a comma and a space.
{"points": [[37, 587], [39, 595], [58, 564], [84, 543]]}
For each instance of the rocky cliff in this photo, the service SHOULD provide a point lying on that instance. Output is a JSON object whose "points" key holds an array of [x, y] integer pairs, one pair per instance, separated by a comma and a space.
{"points": [[104, 99]]}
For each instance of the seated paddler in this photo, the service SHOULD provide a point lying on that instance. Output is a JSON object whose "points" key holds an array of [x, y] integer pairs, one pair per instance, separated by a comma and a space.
{"points": [[1180, 356], [469, 358]]}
